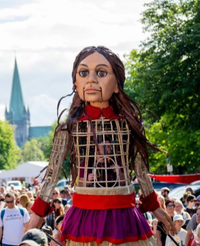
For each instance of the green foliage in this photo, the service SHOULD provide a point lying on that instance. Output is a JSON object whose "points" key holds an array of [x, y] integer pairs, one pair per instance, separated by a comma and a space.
{"points": [[183, 147], [31, 151], [46, 146], [164, 77], [47, 141], [9, 153]]}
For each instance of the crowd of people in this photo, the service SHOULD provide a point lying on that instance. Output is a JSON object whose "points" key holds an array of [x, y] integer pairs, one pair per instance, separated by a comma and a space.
{"points": [[185, 214], [16, 212]]}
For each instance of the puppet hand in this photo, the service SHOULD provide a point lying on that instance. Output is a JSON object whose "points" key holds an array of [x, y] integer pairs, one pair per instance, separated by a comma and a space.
{"points": [[162, 216], [35, 221]]}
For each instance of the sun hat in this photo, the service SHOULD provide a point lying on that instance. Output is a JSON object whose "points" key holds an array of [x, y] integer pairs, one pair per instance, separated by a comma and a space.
{"points": [[34, 237], [178, 217]]}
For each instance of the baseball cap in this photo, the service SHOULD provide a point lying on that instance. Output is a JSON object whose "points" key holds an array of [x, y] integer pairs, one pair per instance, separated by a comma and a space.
{"points": [[34, 237], [178, 217], [165, 189]]}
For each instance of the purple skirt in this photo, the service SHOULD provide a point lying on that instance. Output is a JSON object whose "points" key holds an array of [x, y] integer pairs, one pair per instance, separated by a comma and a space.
{"points": [[116, 226]]}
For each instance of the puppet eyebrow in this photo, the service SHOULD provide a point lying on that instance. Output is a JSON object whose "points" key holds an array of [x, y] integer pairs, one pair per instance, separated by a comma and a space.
{"points": [[99, 65]]}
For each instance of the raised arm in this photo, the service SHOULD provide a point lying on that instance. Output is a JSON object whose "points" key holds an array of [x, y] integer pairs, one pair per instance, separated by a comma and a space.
{"points": [[41, 206]]}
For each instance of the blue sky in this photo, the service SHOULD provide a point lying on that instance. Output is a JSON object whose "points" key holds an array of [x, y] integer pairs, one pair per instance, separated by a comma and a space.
{"points": [[46, 35]]}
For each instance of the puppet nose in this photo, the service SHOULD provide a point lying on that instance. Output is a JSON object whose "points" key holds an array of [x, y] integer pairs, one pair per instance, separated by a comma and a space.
{"points": [[92, 78]]}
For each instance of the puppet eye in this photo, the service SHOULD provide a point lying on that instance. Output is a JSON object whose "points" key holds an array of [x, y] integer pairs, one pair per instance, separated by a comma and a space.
{"points": [[83, 73], [101, 73]]}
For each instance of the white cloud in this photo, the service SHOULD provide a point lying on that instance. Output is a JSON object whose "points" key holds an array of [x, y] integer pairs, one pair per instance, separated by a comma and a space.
{"points": [[42, 108], [47, 35], [2, 112]]}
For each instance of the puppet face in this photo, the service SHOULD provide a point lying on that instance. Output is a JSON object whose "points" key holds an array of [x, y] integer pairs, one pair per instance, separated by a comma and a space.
{"points": [[95, 80]]}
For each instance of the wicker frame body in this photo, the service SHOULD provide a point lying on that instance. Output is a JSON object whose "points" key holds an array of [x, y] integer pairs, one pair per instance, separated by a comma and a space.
{"points": [[87, 137], [112, 134]]}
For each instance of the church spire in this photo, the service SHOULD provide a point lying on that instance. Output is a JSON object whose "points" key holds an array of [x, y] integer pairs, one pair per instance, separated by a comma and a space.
{"points": [[16, 101]]}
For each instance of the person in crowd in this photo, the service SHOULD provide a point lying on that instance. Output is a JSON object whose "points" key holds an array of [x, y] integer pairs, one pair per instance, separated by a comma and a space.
{"points": [[170, 208], [184, 199], [68, 197], [71, 193], [34, 237], [66, 207], [154, 225], [190, 191], [179, 209], [58, 207], [2, 201], [137, 202], [13, 221], [3, 190], [30, 195], [12, 188], [181, 233], [192, 225], [160, 234], [29, 205], [55, 194], [196, 241], [57, 231], [36, 188], [190, 205], [63, 195], [197, 201], [24, 201], [165, 193], [162, 201], [24, 190], [50, 220]]}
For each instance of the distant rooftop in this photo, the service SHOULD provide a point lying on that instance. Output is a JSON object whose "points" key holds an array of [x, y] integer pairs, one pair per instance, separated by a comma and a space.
{"points": [[38, 131]]}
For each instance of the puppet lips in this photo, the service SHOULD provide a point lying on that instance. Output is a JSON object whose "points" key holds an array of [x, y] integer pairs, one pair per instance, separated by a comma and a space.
{"points": [[91, 89]]}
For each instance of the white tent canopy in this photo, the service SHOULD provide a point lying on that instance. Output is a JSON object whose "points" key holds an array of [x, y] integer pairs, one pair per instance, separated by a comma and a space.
{"points": [[28, 171]]}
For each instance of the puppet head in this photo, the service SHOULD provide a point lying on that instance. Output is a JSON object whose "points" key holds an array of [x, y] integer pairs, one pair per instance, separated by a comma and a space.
{"points": [[113, 59]]}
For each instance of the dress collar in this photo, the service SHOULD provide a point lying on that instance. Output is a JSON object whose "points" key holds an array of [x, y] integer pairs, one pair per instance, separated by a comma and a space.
{"points": [[95, 113]]}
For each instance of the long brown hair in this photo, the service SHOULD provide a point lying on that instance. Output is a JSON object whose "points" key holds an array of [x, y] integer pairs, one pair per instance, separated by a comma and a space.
{"points": [[121, 103]]}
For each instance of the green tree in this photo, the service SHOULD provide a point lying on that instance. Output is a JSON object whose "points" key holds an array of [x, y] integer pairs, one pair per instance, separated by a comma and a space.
{"points": [[46, 144], [164, 78], [31, 151], [9, 153]]}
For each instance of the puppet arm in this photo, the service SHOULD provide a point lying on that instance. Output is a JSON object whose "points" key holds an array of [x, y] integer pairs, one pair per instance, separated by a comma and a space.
{"points": [[143, 177], [41, 205], [149, 197]]}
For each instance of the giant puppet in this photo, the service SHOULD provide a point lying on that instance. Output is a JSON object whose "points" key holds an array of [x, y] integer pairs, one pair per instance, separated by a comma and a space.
{"points": [[105, 136]]}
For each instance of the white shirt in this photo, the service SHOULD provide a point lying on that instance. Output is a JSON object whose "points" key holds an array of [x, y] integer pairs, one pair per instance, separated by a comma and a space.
{"points": [[179, 238], [13, 225]]}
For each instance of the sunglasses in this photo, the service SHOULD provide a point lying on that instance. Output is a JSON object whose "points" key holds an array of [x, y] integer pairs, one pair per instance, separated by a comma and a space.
{"points": [[171, 205], [57, 202], [55, 193], [10, 201]]}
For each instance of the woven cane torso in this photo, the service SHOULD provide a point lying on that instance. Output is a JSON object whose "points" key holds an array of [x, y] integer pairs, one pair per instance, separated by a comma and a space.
{"points": [[102, 156]]}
